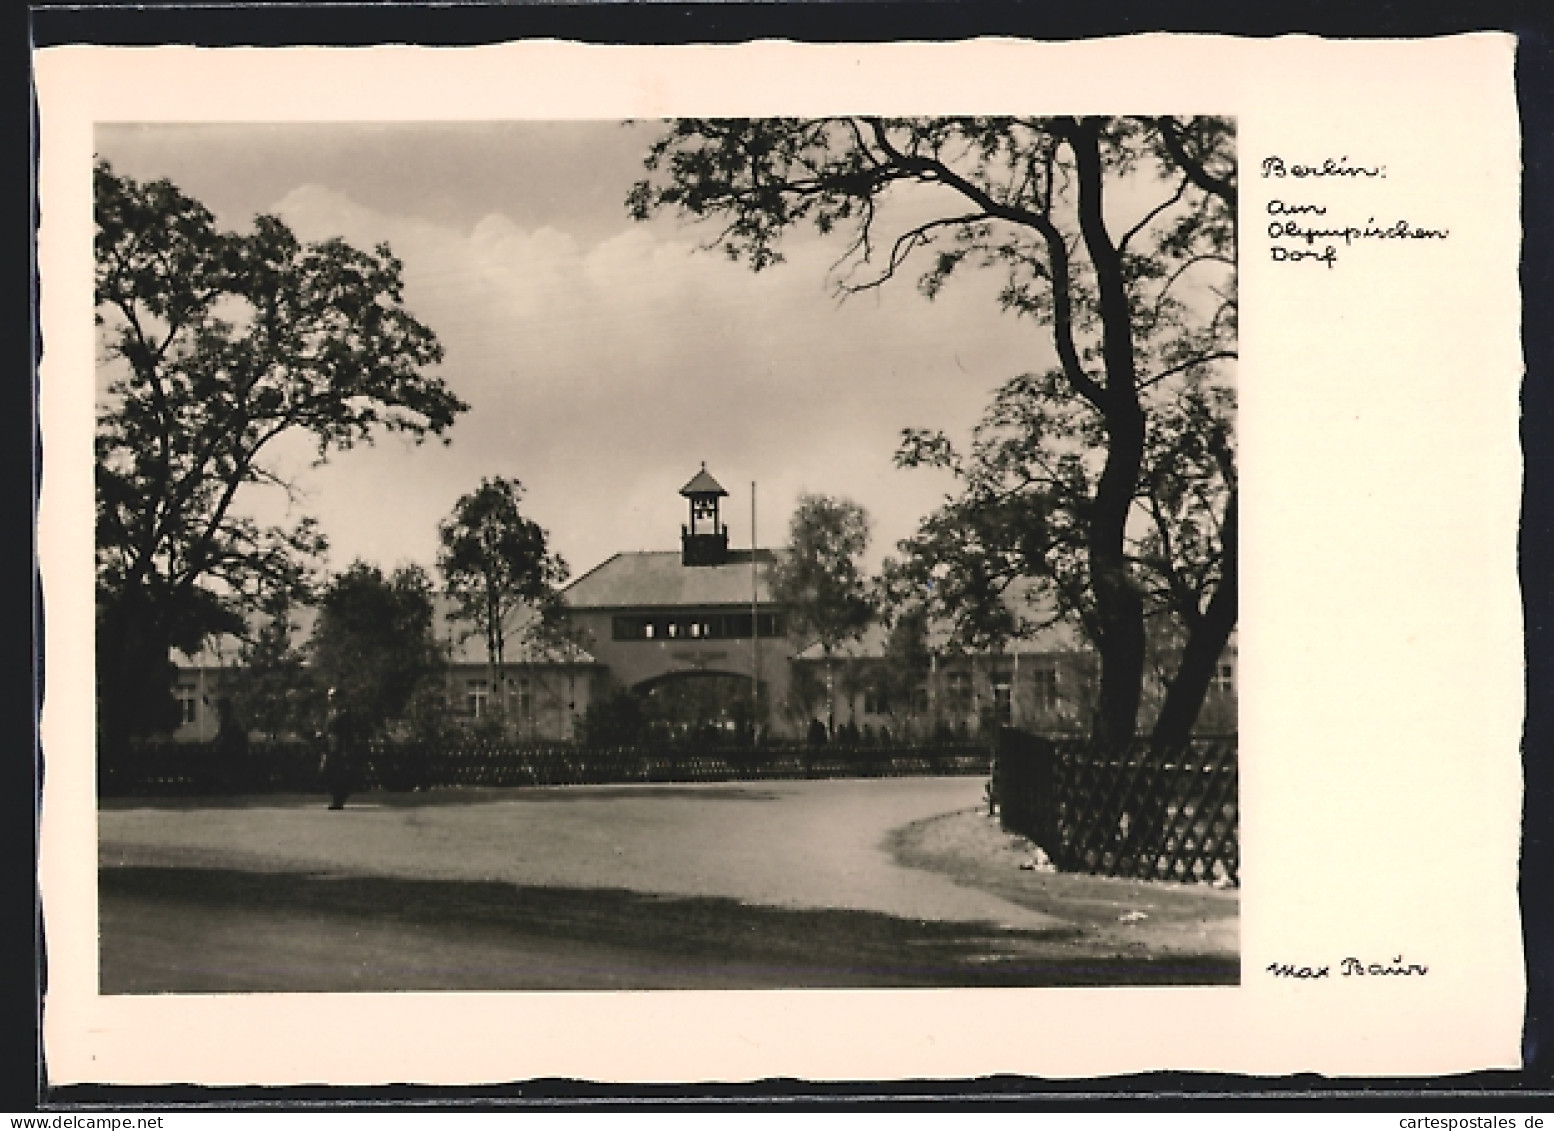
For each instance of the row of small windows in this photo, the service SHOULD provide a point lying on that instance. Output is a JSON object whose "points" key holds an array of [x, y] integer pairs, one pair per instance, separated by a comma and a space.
{"points": [[959, 696], [477, 700], [699, 626]]}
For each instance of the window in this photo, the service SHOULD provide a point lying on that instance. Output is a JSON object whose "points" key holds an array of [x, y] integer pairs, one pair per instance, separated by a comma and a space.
{"points": [[636, 628], [875, 702], [1225, 678], [1044, 688], [958, 692], [188, 705], [696, 626], [1003, 698], [477, 697]]}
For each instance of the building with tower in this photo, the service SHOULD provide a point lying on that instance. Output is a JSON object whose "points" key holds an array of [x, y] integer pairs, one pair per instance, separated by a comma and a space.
{"points": [[698, 636], [694, 631]]}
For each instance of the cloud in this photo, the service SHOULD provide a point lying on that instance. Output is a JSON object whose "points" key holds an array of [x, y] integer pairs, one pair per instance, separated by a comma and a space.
{"points": [[602, 373]]}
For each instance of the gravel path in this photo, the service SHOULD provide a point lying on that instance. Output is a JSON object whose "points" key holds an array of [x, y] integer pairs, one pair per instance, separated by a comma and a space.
{"points": [[807, 844]]}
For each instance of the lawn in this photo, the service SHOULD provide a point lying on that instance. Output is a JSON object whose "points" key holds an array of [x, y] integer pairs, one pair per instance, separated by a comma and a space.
{"points": [[889, 882]]}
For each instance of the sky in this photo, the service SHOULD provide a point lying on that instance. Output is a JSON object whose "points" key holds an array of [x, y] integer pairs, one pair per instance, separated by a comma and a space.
{"points": [[603, 359]]}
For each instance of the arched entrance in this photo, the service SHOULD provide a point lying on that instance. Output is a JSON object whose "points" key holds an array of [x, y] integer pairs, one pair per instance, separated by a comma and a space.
{"points": [[706, 704]]}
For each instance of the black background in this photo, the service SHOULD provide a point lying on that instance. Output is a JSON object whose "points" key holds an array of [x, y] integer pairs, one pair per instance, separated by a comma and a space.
{"points": [[23, 1078]]}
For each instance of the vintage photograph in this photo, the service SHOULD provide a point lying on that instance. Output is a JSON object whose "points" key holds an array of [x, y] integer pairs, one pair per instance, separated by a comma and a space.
{"points": [[666, 554]]}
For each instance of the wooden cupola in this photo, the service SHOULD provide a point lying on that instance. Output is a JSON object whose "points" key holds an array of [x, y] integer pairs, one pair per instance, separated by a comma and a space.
{"points": [[704, 540]]}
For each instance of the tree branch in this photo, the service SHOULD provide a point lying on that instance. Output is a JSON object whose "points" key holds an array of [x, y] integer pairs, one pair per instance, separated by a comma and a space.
{"points": [[1122, 244], [1170, 133], [905, 244], [1190, 363]]}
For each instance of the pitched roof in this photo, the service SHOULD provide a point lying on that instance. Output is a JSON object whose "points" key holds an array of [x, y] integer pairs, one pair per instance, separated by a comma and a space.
{"points": [[703, 484], [657, 579], [464, 643], [1058, 637]]}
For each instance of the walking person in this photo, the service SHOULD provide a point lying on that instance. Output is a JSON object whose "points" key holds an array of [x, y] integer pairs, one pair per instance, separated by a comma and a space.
{"points": [[342, 736], [231, 747]]}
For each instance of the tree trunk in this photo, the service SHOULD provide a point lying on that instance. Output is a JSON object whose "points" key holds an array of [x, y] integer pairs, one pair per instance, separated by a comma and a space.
{"points": [[1120, 611], [1119, 604], [1184, 698], [830, 700], [497, 699], [494, 691], [134, 675]]}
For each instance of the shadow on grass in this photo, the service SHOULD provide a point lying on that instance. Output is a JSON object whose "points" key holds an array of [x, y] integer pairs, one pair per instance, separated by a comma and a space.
{"points": [[450, 795], [171, 930]]}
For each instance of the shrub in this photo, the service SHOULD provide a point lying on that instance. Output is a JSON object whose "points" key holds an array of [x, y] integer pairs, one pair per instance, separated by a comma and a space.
{"points": [[616, 719]]}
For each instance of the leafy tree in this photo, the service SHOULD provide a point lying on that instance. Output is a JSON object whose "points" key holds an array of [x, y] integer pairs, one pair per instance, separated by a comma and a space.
{"points": [[908, 660], [1026, 487], [806, 694], [820, 583], [218, 344], [275, 692], [1115, 234], [494, 561], [616, 719], [373, 642], [429, 716]]}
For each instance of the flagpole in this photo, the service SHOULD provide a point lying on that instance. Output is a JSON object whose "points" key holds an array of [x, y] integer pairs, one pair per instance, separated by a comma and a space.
{"points": [[755, 628]]}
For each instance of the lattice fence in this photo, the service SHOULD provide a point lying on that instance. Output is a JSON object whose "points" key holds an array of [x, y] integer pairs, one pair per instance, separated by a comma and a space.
{"points": [[1138, 816], [168, 768]]}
